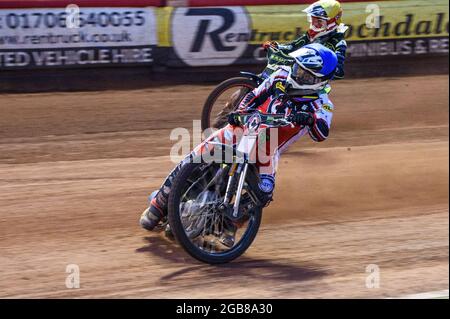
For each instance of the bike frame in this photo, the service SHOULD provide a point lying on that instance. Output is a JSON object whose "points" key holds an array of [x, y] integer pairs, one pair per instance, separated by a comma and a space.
{"points": [[245, 148]]}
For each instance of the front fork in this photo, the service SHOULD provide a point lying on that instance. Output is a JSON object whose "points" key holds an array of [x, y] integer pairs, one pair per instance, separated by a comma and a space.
{"points": [[237, 169]]}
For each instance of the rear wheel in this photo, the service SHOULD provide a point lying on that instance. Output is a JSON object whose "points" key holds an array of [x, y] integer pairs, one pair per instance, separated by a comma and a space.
{"points": [[224, 99], [196, 220]]}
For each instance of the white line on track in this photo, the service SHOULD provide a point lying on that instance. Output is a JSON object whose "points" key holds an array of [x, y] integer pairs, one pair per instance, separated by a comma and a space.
{"points": [[428, 295]]}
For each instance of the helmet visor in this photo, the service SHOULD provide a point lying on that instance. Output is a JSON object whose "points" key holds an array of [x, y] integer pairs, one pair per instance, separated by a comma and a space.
{"points": [[301, 76]]}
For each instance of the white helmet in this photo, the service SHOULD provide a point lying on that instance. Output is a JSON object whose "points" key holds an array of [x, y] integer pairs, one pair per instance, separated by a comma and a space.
{"points": [[314, 66], [324, 17]]}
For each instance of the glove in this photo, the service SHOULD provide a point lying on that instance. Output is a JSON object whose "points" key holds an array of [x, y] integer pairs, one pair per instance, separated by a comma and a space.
{"points": [[339, 74], [270, 44], [303, 119], [234, 119]]}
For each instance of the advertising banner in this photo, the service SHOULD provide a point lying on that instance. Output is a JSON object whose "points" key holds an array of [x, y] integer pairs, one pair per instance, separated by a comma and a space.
{"points": [[210, 36], [375, 29], [62, 37], [214, 3], [206, 36], [16, 4]]}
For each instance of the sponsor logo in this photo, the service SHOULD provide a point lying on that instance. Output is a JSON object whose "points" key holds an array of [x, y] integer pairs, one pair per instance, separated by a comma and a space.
{"points": [[210, 36], [266, 185], [54, 37], [327, 107], [254, 122], [280, 87], [432, 46], [411, 25], [98, 27], [84, 57]]}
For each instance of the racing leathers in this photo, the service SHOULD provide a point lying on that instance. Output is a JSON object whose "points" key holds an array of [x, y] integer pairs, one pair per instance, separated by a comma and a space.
{"points": [[269, 97]]}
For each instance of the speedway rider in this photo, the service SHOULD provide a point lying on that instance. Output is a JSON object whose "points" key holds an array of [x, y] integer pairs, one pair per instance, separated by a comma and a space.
{"points": [[286, 91], [326, 27]]}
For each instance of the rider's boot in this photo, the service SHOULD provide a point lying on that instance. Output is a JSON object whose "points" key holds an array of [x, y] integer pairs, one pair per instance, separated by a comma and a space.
{"points": [[152, 216], [168, 232]]}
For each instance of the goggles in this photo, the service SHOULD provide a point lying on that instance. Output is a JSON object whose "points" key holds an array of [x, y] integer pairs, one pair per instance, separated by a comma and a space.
{"points": [[317, 24], [301, 76]]}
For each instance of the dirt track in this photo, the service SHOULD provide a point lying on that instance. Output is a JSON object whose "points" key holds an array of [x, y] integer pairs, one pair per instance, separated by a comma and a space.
{"points": [[75, 169]]}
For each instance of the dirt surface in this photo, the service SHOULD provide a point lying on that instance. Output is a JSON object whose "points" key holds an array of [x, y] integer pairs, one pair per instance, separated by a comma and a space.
{"points": [[75, 170]]}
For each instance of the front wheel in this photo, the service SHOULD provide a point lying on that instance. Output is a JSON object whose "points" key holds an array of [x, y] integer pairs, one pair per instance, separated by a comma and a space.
{"points": [[196, 220], [224, 99]]}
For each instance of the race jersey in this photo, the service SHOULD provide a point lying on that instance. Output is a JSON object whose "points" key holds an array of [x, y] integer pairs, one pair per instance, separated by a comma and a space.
{"points": [[335, 41]]}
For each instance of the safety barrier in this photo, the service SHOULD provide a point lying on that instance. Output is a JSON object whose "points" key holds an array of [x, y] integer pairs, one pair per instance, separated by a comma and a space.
{"points": [[147, 33], [30, 4]]}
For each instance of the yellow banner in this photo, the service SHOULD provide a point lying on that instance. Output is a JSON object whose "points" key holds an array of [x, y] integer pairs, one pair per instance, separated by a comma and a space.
{"points": [[397, 20], [285, 23], [164, 26]]}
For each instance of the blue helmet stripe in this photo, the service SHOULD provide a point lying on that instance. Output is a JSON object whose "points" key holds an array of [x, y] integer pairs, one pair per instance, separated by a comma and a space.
{"points": [[329, 58]]}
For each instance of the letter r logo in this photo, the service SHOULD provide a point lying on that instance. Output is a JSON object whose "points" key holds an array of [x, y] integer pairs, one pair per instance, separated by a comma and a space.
{"points": [[210, 36], [204, 28]]}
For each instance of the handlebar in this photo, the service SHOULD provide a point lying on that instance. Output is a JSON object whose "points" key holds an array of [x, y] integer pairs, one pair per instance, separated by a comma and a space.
{"points": [[272, 120]]}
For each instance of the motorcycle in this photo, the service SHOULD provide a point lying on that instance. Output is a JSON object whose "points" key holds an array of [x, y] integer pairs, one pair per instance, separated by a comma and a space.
{"points": [[226, 97], [210, 196]]}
